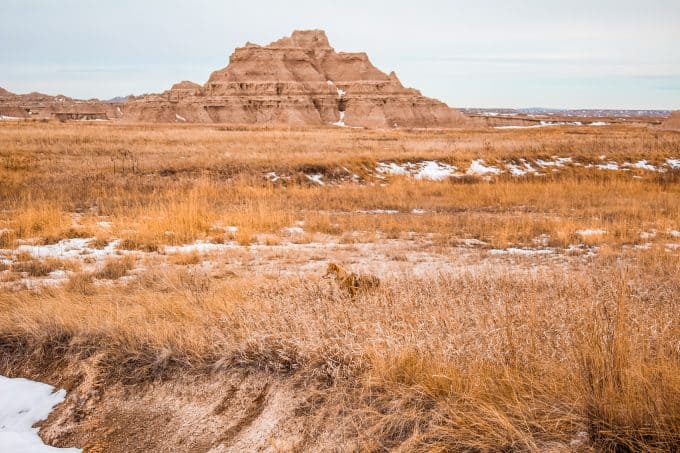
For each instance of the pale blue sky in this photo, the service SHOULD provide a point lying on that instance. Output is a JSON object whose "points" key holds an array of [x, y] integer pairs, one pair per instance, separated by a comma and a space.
{"points": [[494, 53]]}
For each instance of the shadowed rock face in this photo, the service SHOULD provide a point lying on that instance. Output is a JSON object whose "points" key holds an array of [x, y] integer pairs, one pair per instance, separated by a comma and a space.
{"points": [[673, 122], [298, 80]]}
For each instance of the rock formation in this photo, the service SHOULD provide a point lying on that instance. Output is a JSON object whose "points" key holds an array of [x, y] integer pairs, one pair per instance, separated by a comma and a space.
{"points": [[42, 106], [297, 80], [672, 122]]}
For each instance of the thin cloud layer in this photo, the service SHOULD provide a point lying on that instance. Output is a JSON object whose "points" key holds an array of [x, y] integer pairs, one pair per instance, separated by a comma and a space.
{"points": [[489, 53]]}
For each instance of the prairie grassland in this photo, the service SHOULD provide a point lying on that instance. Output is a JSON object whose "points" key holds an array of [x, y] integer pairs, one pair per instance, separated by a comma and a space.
{"points": [[160, 184], [576, 353], [583, 359]]}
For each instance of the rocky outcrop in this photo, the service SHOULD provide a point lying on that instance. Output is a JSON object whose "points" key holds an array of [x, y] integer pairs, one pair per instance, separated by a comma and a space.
{"points": [[297, 80], [672, 122], [43, 106]]}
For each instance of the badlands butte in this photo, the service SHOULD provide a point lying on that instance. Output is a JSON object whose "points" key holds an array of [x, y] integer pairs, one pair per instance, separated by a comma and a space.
{"points": [[297, 80]]}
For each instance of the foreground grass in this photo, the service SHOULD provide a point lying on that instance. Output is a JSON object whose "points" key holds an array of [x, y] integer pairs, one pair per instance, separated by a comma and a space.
{"points": [[454, 362]]}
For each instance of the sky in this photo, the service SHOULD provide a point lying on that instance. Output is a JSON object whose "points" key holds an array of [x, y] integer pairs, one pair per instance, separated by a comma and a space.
{"points": [[484, 53]]}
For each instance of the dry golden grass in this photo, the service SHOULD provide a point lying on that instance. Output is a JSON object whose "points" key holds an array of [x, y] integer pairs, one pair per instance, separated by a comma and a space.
{"points": [[582, 355], [115, 268], [452, 362], [185, 259], [191, 179], [80, 283]]}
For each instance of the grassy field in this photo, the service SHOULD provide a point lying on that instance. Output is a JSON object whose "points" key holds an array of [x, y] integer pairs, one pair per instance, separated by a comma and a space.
{"points": [[515, 312]]}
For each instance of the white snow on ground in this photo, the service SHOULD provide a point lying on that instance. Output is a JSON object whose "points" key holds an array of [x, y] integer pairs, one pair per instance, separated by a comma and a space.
{"points": [[427, 169], [9, 118], [517, 251], [392, 168], [521, 127], [434, 170], [644, 165], [341, 92], [543, 124], [648, 234], [472, 242], [608, 166], [558, 162], [674, 233], [477, 167], [673, 163], [417, 211], [591, 232], [178, 117], [379, 211], [272, 176], [69, 248], [22, 404], [293, 230], [341, 122], [516, 170], [598, 123], [316, 178], [198, 246], [437, 170]]}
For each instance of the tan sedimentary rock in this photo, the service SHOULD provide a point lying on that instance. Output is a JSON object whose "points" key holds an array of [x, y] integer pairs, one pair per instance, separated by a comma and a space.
{"points": [[672, 122], [43, 106], [298, 80]]}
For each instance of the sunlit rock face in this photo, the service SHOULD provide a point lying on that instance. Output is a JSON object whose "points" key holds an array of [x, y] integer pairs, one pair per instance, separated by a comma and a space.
{"points": [[298, 80]]}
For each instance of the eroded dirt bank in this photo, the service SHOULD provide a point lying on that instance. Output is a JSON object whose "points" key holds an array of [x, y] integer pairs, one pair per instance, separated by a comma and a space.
{"points": [[237, 411]]}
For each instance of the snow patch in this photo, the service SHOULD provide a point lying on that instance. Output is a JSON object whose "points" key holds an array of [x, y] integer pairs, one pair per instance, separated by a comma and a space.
{"points": [[644, 165], [591, 232], [22, 404], [472, 242], [340, 122], [391, 168], [67, 248], [293, 230], [379, 211], [478, 167], [608, 166], [518, 251], [435, 171], [179, 117], [648, 234], [198, 247], [673, 163], [316, 179], [515, 170]]}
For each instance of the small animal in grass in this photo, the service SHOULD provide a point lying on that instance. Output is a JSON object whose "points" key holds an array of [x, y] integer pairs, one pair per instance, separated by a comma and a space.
{"points": [[351, 282]]}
